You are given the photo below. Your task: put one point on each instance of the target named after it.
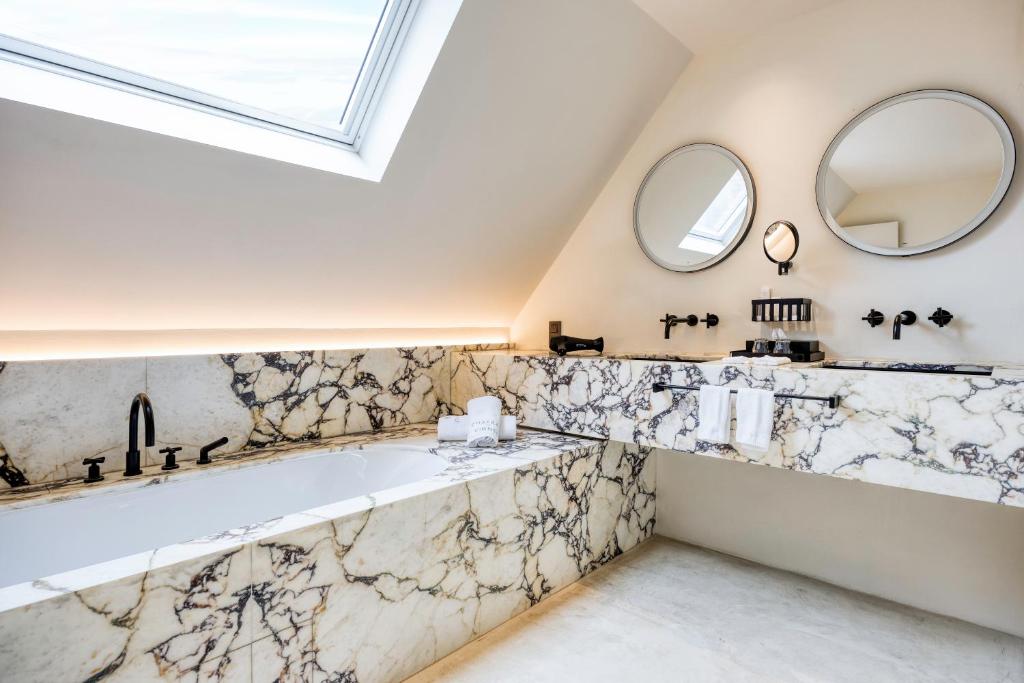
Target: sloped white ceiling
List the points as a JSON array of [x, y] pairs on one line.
[[530, 107], [703, 25]]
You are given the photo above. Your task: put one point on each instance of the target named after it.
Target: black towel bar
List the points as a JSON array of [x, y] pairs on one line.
[[832, 401]]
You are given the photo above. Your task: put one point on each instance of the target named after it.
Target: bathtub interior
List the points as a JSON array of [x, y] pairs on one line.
[[54, 537]]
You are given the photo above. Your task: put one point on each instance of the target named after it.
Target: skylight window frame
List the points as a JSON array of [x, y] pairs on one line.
[[392, 27]]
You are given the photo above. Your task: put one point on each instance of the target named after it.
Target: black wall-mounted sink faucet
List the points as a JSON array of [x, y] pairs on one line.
[[901, 320], [671, 321], [132, 458]]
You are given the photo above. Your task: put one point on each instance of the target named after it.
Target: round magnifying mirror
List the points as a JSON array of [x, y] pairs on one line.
[[694, 207], [915, 173], [781, 240]]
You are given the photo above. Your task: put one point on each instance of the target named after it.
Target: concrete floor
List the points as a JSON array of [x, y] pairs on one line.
[[673, 612]]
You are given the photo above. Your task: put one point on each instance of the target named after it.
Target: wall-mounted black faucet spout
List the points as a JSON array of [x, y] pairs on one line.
[[671, 321], [904, 318], [132, 458], [563, 344]]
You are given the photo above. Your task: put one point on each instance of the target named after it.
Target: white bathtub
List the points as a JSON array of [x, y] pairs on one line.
[[51, 538]]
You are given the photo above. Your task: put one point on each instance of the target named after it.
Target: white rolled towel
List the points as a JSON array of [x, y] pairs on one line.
[[736, 360], [484, 414], [456, 428], [772, 360]]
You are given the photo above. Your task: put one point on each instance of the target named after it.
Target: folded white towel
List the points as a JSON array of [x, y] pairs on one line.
[[713, 414], [484, 415], [736, 360], [771, 360], [755, 417], [456, 428]]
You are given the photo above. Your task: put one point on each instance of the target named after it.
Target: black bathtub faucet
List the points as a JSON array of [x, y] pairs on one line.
[[563, 345], [132, 459], [204, 452]]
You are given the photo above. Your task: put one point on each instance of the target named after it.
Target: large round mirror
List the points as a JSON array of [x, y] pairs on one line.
[[915, 172], [694, 207]]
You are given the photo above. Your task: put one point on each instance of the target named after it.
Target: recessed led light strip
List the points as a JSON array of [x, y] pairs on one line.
[[30, 345]]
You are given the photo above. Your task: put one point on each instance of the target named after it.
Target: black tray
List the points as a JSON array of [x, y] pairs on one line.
[[795, 356], [805, 346]]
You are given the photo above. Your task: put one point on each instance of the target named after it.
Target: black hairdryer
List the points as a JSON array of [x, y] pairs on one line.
[[563, 345]]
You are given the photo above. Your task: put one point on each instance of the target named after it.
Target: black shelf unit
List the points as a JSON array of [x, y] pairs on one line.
[[780, 310]]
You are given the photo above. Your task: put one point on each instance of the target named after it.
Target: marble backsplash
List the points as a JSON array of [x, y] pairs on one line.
[[55, 413], [947, 434]]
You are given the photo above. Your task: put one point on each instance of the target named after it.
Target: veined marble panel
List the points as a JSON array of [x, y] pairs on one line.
[[55, 413], [298, 395], [368, 589], [953, 435]]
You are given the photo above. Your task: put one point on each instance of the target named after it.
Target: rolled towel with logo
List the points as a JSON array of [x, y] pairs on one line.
[[484, 414], [456, 428]]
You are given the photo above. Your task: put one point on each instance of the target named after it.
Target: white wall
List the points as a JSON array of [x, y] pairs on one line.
[[925, 212], [948, 555], [777, 100], [528, 110]]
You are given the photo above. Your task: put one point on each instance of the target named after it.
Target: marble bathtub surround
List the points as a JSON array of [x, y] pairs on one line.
[[55, 413], [947, 434], [369, 589]]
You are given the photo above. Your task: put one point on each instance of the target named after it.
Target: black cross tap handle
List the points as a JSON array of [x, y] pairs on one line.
[[941, 317], [711, 320], [169, 463], [874, 318], [94, 470]]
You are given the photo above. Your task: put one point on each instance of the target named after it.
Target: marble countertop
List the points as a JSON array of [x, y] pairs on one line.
[[942, 433], [1000, 370]]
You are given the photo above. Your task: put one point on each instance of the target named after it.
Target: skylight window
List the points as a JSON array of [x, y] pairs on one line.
[[720, 222], [307, 67]]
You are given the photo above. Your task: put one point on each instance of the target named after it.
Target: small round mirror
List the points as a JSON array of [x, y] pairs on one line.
[[781, 240], [694, 207], [915, 173]]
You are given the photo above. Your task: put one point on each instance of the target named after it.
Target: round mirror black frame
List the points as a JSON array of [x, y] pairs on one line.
[[748, 218], [1009, 160], [784, 266]]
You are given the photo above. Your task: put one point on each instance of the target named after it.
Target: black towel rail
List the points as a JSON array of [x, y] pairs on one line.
[[832, 401]]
